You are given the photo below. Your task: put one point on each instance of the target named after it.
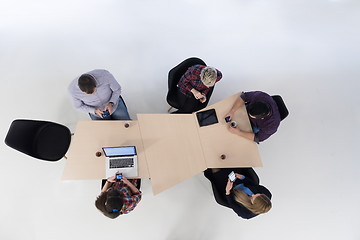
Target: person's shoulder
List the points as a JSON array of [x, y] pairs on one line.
[[265, 96], [260, 96], [197, 67], [258, 93], [275, 117], [98, 72], [102, 76], [193, 72], [73, 86], [263, 190]]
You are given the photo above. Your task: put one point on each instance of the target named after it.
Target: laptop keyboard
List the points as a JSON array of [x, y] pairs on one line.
[[121, 162]]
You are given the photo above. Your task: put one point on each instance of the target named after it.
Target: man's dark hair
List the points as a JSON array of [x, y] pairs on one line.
[[258, 109], [114, 202], [87, 83], [110, 203]]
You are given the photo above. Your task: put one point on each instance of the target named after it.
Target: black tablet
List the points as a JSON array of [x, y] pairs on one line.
[[207, 117]]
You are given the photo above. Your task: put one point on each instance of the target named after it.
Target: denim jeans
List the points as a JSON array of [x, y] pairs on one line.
[[255, 129], [121, 113]]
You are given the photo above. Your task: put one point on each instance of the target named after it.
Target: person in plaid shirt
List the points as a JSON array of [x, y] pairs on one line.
[[118, 198], [198, 80]]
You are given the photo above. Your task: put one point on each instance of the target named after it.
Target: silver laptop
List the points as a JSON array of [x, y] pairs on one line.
[[121, 159]]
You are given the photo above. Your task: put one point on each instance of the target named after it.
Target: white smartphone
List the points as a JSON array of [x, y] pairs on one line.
[[232, 176]]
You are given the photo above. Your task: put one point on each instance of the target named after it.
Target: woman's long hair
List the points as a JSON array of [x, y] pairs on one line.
[[262, 203]]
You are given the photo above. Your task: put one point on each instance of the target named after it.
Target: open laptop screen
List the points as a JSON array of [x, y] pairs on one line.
[[119, 151]]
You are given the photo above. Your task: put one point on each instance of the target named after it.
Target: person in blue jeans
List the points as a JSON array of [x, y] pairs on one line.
[[98, 93]]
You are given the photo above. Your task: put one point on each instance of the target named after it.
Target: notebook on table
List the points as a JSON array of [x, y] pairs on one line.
[[121, 159]]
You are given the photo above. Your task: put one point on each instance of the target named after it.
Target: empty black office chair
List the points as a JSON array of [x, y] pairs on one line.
[[220, 198], [40, 139], [174, 97], [281, 106]]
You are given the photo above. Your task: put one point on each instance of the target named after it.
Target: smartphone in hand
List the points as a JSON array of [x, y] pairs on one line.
[[232, 176], [105, 114], [118, 177]]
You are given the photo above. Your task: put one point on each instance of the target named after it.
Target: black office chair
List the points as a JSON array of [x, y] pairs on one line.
[[220, 198], [281, 106], [40, 139], [174, 97]]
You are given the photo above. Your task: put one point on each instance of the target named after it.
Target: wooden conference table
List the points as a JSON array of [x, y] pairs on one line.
[[171, 147]]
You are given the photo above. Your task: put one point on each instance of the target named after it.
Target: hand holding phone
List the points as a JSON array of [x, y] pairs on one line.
[[232, 176], [105, 114], [229, 116], [118, 177]]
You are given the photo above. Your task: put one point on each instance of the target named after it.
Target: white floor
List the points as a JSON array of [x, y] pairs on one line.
[[305, 50]]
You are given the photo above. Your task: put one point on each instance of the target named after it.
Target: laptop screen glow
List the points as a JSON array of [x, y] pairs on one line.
[[119, 151]]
